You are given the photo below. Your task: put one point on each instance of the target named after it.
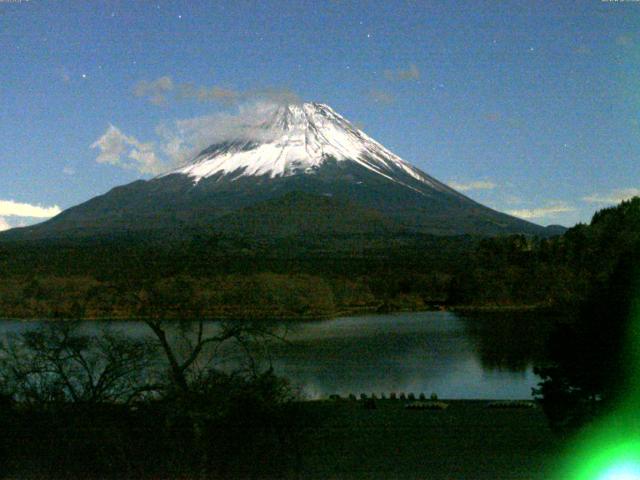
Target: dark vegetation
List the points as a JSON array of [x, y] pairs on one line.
[[231, 277], [586, 275], [201, 273], [592, 355], [109, 406], [592, 364], [510, 340]]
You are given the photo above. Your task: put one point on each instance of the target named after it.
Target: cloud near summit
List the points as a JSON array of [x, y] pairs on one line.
[[164, 89], [127, 152], [178, 141]]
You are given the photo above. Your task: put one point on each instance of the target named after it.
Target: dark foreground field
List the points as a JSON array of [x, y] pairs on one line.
[[343, 440], [466, 441]]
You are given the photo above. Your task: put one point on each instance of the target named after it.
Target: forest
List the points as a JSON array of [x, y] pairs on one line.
[[203, 274], [139, 408]]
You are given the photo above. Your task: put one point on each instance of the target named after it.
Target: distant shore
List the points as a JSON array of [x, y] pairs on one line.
[[347, 312]]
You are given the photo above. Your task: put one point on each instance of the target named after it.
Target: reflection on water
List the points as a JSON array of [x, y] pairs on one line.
[[486, 356], [510, 341], [426, 352]]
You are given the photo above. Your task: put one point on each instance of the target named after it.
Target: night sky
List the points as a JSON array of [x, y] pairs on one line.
[[529, 107]]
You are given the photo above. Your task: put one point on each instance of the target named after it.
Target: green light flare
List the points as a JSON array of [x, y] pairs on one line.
[[605, 457], [610, 448], [622, 471]]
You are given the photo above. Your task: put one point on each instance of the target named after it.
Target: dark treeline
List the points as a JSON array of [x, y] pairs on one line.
[[200, 273], [591, 368], [561, 271], [588, 278], [75, 405], [591, 365], [218, 276]]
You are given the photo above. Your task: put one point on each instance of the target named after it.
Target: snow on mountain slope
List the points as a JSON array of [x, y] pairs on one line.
[[272, 173], [298, 139]]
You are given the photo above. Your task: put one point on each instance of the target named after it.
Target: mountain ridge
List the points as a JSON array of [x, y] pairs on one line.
[[306, 148]]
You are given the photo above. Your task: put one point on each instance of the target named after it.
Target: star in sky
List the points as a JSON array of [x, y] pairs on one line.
[[463, 76]]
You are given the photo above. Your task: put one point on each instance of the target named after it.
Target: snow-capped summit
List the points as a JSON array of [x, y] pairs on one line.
[[286, 171], [298, 139]]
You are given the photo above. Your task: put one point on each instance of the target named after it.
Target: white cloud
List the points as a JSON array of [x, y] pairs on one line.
[[614, 197], [4, 225], [179, 141], [158, 92], [475, 185], [279, 96], [127, 152], [154, 91], [410, 73], [549, 211], [207, 94], [69, 170], [183, 139], [9, 208]]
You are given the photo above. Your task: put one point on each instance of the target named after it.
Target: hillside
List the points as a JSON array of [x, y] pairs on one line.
[[300, 150]]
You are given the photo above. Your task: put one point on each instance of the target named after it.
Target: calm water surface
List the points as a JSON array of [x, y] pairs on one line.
[[488, 357]]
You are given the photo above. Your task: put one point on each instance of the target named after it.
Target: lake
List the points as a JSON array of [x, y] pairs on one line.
[[483, 357]]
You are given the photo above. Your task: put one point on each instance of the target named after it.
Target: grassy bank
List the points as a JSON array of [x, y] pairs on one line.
[[467, 440], [307, 440]]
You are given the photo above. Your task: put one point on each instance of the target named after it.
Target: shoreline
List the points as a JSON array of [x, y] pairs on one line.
[[345, 313]]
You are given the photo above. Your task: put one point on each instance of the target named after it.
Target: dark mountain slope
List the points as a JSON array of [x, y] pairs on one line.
[[307, 150]]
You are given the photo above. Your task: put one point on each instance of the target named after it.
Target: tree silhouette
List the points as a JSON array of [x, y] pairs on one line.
[[588, 371]]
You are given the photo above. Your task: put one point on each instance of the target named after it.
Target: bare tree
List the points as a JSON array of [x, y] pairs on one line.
[[191, 347], [57, 362], [197, 347]]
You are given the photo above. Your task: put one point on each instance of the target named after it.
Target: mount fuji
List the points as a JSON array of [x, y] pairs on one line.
[[301, 169]]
